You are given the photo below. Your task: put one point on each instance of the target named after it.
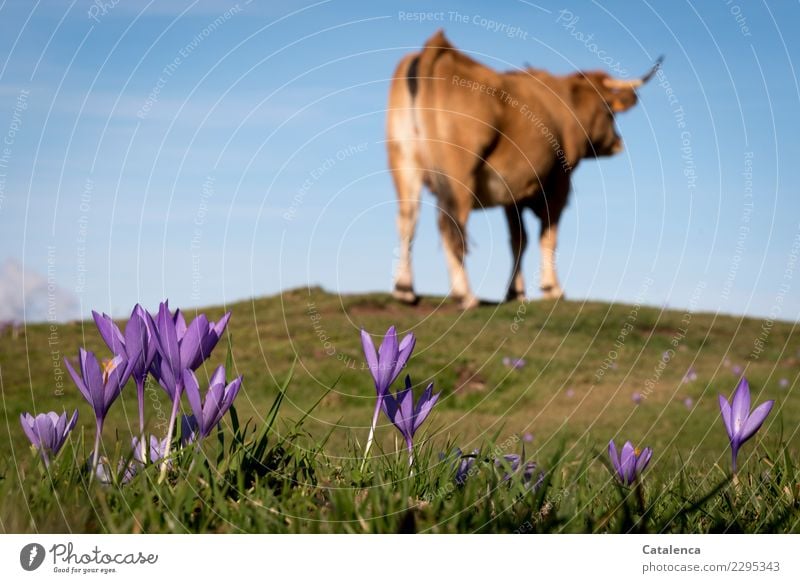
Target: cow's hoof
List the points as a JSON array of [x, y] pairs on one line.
[[405, 294], [515, 296], [469, 302], [553, 292]]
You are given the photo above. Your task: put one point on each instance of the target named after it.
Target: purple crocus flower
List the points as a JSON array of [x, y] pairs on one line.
[[190, 429], [688, 402], [629, 463], [783, 383], [180, 347], [155, 452], [515, 363], [691, 375], [136, 343], [736, 369], [462, 463], [406, 416], [740, 423], [513, 461], [637, 398], [465, 464], [126, 473], [100, 387], [47, 432], [219, 398], [385, 366]]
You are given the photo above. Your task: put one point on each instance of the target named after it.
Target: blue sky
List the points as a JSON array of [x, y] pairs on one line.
[[156, 151]]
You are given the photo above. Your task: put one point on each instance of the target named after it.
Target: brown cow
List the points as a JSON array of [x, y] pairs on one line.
[[478, 138]]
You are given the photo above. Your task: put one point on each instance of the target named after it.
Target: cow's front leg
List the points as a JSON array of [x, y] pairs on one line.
[[519, 241], [549, 210], [549, 285], [452, 226]]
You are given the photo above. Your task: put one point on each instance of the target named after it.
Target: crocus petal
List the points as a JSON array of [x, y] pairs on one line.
[[755, 420], [215, 331], [403, 354], [218, 378], [212, 412], [180, 324], [109, 332], [136, 342], [230, 393], [59, 423], [43, 427], [387, 358], [119, 375], [221, 324], [162, 371], [627, 461], [27, 422], [424, 406], [643, 459], [192, 389], [91, 372], [614, 456], [72, 422], [406, 410], [513, 460], [78, 380], [725, 409], [189, 429], [157, 448], [191, 342], [740, 407], [168, 340], [389, 406], [93, 378], [370, 354], [151, 345]]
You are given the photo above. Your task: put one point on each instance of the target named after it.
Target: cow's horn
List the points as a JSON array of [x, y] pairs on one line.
[[634, 83]]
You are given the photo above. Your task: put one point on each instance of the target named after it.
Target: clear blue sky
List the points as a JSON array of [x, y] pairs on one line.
[[155, 153]]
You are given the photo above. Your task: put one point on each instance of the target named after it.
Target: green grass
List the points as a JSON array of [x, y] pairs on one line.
[[280, 476]]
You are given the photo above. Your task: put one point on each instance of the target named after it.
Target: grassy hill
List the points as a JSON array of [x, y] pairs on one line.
[[585, 363]]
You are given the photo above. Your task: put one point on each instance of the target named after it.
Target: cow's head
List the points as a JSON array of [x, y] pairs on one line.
[[597, 98]]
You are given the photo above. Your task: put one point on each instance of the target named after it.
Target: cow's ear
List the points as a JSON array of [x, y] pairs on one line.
[[621, 99]]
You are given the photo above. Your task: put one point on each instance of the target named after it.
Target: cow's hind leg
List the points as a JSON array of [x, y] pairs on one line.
[[455, 203], [519, 241], [408, 184]]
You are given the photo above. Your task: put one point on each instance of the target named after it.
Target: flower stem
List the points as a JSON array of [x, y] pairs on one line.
[[45, 457], [371, 432], [140, 396], [175, 403], [96, 452], [640, 496]]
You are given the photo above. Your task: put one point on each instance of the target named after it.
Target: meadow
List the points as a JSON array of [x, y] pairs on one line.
[[550, 382]]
